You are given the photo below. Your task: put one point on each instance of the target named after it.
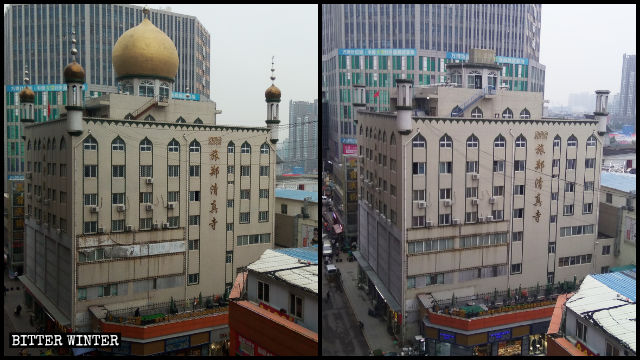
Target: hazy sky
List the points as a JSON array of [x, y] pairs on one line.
[[243, 40], [582, 48]]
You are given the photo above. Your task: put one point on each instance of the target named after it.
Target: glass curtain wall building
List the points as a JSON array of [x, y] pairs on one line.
[[303, 131]]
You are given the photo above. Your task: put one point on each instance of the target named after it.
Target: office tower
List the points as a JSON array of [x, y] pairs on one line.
[[303, 135], [627, 98]]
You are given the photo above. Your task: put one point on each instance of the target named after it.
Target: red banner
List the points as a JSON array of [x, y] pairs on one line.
[[276, 311]]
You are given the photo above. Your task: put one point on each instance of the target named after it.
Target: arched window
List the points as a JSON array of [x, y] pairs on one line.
[[592, 141], [29, 145], [126, 87], [197, 121], [360, 129], [231, 147], [445, 141], [521, 141], [164, 89], [507, 114], [379, 137], [48, 144], [499, 141], [38, 145], [384, 136], [556, 141], [245, 148], [472, 141], [117, 144], [181, 120], [525, 114], [63, 144], [149, 118], [572, 141], [476, 113], [474, 80], [264, 149], [456, 78], [492, 78], [194, 146], [90, 143], [146, 88], [393, 139], [457, 112], [174, 146], [53, 144], [419, 141], [145, 145]]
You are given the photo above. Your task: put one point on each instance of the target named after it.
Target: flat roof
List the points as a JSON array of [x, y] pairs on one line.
[[294, 271], [608, 302], [619, 181], [297, 194], [303, 253]]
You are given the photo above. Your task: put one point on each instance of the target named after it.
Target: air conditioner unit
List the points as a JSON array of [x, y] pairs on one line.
[[156, 226], [492, 200], [455, 221], [100, 230], [58, 231], [446, 202], [129, 227], [28, 175], [422, 204], [475, 176], [171, 205], [481, 219], [630, 208], [94, 209], [149, 181], [474, 201], [47, 202], [38, 221], [489, 218], [429, 223], [121, 208], [148, 207], [165, 225]]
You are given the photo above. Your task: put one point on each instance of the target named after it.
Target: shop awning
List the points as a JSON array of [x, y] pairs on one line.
[[44, 301], [337, 228], [377, 282]]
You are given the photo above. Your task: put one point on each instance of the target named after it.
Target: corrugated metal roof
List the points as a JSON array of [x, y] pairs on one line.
[[607, 309], [620, 282], [303, 253], [297, 194], [619, 181], [288, 268]]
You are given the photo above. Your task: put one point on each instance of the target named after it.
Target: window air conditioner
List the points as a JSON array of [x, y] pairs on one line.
[[148, 207], [94, 209], [165, 225], [121, 208], [481, 219], [171, 205], [492, 200], [446, 202], [100, 230], [156, 226], [149, 181], [28, 175], [455, 221], [489, 218], [429, 223], [46, 202], [422, 204], [475, 176], [474, 201], [129, 227]]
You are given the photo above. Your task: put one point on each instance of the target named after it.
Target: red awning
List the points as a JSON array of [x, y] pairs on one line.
[[337, 228]]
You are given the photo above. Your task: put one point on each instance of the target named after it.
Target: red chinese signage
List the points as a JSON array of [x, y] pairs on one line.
[[249, 348], [584, 349], [349, 149], [276, 311]]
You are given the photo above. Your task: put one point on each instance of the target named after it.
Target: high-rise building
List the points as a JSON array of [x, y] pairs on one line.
[[376, 44], [36, 37], [627, 99], [303, 135], [469, 191], [141, 209]]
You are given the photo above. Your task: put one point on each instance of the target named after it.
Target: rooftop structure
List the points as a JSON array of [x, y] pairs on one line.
[[619, 181], [297, 194]]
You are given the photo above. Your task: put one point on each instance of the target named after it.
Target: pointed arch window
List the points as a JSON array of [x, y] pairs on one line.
[[384, 136], [476, 113], [521, 141], [472, 141], [29, 145], [393, 139], [90, 143], [499, 141], [145, 145], [194, 147], [48, 144], [457, 112], [360, 129], [149, 118], [572, 141], [53, 144], [197, 121], [181, 120], [63, 144], [164, 90], [129, 116], [592, 141], [231, 147], [174, 146], [264, 149], [446, 142], [379, 137], [146, 88], [556, 141], [38, 145], [525, 114], [419, 141], [245, 148], [507, 114], [117, 144]]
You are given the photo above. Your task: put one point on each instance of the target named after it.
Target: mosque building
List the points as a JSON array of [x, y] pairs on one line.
[[139, 209]]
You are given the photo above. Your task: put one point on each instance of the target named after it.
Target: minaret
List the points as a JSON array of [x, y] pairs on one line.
[[74, 77], [272, 97], [359, 101], [404, 107], [602, 97], [27, 97]]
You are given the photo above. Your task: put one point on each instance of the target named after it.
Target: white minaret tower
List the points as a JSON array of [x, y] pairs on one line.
[[602, 97], [359, 101], [74, 76], [272, 97], [404, 107], [27, 97]]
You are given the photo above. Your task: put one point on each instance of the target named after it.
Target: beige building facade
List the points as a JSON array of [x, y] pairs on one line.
[[296, 218], [469, 190]]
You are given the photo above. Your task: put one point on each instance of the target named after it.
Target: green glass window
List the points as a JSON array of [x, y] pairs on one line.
[[355, 62], [410, 60], [382, 62], [420, 63]]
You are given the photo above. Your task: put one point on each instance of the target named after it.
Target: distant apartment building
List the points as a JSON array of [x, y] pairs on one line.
[[617, 219], [466, 188], [296, 218], [303, 136], [627, 99]]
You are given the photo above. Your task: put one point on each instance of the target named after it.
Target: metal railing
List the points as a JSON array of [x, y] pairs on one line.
[[149, 103]]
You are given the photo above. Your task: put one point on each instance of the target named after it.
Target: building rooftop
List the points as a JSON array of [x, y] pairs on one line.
[[288, 268], [608, 302], [619, 181], [303, 253], [297, 194]]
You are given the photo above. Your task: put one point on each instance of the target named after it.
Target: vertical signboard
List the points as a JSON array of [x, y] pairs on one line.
[[351, 204]]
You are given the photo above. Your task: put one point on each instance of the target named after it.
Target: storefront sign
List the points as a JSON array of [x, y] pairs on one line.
[[447, 336], [584, 349], [349, 149], [178, 343], [540, 328], [381, 52], [248, 347], [499, 335], [39, 87], [351, 141]]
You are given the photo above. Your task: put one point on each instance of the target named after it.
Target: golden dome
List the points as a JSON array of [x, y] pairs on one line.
[[272, 93], [145, 51], [27, 95], [73, 73]]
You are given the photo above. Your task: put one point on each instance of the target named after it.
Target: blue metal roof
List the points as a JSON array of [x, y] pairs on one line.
[[619, 181], [297, 194], [624, 282], [304, 253]]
